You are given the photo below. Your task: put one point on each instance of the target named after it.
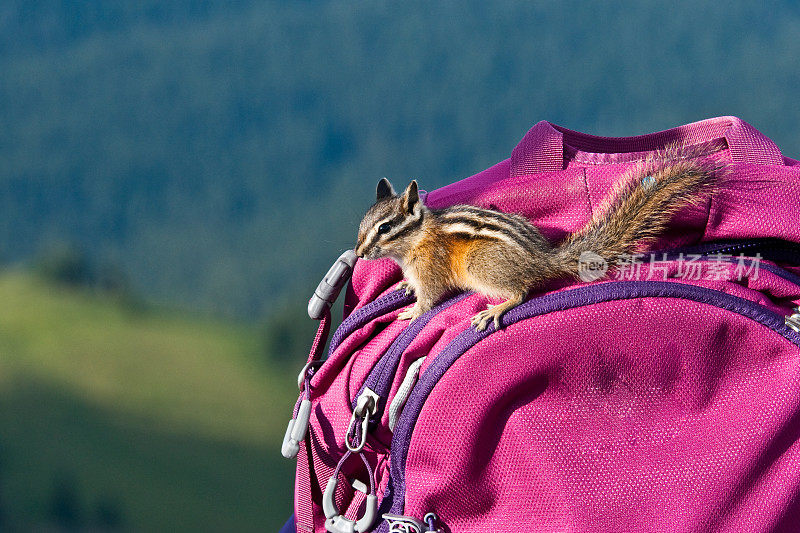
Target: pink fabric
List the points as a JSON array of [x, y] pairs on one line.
[[650, 414], [629, 428]]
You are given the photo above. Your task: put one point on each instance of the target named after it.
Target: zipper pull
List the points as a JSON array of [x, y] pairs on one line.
[[298, 426], [296, 430], [366, 406], [793, 320], [289, 449], [335, 522]]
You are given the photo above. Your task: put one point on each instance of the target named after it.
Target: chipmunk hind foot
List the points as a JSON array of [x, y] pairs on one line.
[[494, 313]]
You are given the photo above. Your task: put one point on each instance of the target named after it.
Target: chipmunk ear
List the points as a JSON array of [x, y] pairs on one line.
[[385, 189], [410, 197]]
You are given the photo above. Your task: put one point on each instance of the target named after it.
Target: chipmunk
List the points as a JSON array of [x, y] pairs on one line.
[[503, 255]]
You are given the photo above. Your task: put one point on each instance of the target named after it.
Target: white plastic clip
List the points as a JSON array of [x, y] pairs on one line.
[[296, 430], [328, 289], [289, 449]]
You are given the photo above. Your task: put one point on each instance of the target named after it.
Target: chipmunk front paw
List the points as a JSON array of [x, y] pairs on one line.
[[492, 313], [411, 313], [407, 286]]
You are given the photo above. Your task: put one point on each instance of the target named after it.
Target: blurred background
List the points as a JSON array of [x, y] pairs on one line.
[[175, 177]]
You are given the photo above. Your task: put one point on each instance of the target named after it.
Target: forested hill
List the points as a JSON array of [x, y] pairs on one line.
[[220, 153]]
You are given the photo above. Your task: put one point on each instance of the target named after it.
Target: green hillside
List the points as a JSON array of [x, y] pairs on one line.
[[117, 417]]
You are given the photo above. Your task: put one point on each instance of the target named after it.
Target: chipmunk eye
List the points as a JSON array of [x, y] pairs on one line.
[[384, 228]]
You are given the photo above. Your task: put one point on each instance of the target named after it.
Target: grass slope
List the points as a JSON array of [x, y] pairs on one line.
[[150, 420]]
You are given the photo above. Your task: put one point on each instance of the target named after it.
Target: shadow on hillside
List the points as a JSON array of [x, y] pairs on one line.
[[70, 465]]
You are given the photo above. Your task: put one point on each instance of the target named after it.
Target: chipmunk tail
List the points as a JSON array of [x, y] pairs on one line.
[[640, 209]]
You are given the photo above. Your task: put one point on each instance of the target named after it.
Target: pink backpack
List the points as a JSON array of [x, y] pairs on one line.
[[665, 397]]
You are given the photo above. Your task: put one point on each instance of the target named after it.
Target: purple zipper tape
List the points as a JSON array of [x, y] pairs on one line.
[[374, 309], [382, 374]]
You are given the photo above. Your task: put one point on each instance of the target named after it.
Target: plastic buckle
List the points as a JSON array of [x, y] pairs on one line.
[[337, 523], [328, 289], [366, 406], [793, 320]]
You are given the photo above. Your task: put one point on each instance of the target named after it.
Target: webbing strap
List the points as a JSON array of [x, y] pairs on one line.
[[303, 506], [748, 145], [303, 500], [542, 148], [315, 354]]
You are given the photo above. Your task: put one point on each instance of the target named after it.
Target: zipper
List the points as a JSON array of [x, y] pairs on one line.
[[773, 249], [568, 299], [784, 248], [382, 374], [773, 269], [357, 319], [366, 405]]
